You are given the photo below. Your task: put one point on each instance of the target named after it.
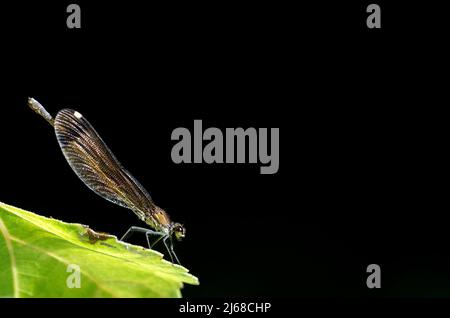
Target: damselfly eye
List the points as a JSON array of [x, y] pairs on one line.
[[179, 231]]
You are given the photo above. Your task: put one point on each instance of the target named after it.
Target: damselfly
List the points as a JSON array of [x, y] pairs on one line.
[[99, 169]]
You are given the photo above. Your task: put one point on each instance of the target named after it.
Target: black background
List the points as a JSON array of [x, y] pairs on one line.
[[362, 177]]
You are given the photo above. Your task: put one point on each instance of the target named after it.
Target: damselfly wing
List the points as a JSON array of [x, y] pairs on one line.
[[97, 167]]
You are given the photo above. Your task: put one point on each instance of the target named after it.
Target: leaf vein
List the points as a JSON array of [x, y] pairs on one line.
[[9, 246]]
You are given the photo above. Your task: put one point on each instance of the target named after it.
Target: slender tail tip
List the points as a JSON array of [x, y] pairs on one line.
[[31, 101]]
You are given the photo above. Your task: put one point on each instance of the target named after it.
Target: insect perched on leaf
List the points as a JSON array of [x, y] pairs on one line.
[[99, 169]]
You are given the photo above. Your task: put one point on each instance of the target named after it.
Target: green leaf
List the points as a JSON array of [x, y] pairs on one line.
[[39, 257]]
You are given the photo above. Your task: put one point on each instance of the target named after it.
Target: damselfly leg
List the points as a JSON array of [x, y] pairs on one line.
[[170, 249], [147, 233]]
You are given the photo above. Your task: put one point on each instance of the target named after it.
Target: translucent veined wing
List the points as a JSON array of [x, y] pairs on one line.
[[96, 165]]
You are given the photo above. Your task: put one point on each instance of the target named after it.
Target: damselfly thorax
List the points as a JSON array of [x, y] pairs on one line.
[[99, 169]]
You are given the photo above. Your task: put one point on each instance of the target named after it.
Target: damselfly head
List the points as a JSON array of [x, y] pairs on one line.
[[178, 230]]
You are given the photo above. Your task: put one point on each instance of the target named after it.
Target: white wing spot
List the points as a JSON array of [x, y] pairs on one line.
[[77, 115]]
